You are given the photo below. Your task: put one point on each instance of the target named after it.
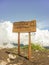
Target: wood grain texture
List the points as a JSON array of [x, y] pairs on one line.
[[24, 26]]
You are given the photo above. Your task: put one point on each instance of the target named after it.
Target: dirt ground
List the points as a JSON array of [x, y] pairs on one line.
[[38, 57]]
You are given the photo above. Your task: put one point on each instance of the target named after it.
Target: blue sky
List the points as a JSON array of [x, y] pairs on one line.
[[18, 10]]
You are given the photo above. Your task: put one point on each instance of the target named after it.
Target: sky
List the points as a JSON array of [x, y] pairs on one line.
[[22, 10], [18, 10]]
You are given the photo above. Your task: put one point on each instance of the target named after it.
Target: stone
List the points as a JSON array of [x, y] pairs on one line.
[[11, 56], [8, 59], [3, 63]]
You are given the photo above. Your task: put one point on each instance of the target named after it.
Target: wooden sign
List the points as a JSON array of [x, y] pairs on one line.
[[27, 26], [24, 26]]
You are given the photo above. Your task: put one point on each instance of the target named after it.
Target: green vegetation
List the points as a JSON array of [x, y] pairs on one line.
[[25, 47], [34, 47], [37, 47]]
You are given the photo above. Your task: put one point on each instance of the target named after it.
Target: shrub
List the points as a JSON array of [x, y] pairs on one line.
[[34, 47]]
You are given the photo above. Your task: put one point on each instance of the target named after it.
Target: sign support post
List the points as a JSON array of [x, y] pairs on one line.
[[18, 43], [29, 47]]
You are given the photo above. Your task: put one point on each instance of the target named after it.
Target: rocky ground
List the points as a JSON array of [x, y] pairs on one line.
[[11, 57]]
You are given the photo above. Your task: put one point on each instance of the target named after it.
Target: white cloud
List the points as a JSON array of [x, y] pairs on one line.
[[7, 36], [43, 24], [42, 37]]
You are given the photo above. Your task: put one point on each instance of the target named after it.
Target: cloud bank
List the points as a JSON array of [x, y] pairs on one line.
[[7, 37]]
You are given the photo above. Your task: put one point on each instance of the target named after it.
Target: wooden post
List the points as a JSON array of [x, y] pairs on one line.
[[29, 47], [18, 43]]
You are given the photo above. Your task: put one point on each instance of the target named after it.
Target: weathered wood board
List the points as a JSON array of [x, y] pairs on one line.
[[24, 26]]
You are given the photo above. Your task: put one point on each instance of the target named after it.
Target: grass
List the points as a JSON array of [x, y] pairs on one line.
[[37, 47], [34, 47]]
